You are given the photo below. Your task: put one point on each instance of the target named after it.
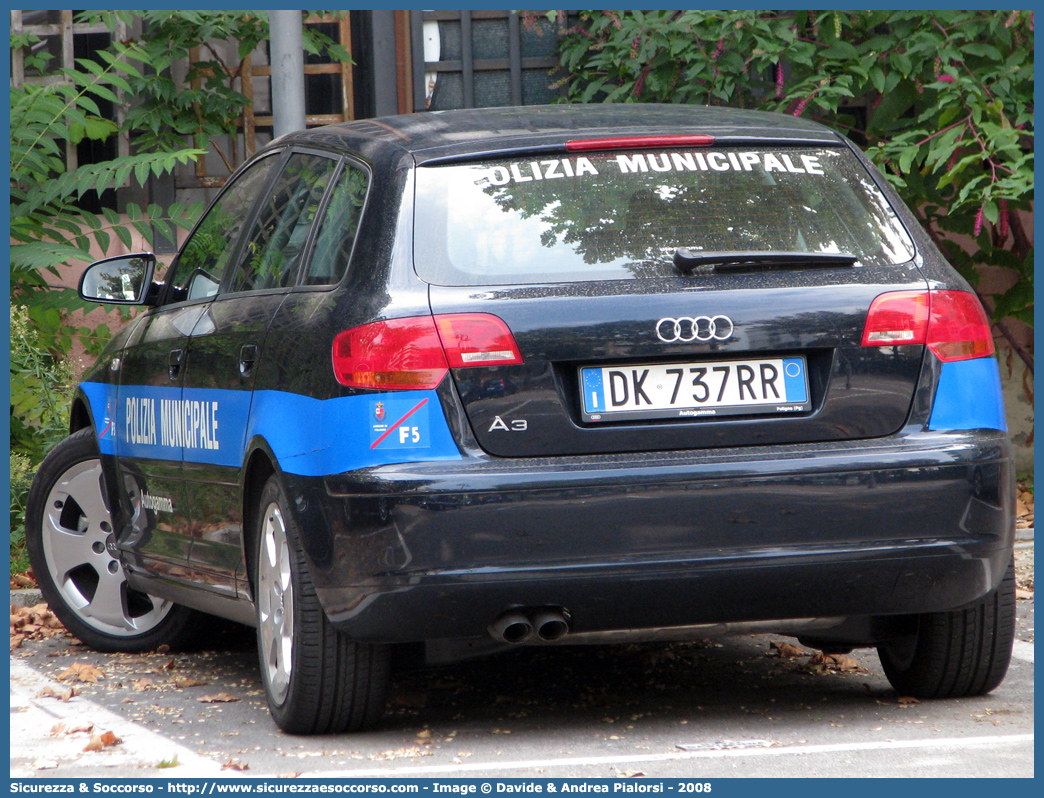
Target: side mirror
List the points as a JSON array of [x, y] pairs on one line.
[[123, 280]]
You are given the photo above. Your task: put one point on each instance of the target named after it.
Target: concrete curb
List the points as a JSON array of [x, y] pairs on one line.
[[36, 752], [26, 597]]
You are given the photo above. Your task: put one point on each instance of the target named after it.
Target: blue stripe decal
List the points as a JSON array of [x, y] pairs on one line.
[[309, 437], [313, 437], [969, 396], [594, 395], [794, 379], [102, 398]]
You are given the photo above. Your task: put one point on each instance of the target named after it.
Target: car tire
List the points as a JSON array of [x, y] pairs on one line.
[[954, 654], [69, 537], [317, 681]]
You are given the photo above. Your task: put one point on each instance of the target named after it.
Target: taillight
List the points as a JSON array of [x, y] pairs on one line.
[[958, 329], [393, 355], [900, 317], [638, 143], [951, 323], [477, 339], [415, 353]]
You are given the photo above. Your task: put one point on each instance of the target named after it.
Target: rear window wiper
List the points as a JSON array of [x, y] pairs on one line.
[[687, 261]]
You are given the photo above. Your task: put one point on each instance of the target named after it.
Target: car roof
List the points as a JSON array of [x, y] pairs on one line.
[[477, 132]]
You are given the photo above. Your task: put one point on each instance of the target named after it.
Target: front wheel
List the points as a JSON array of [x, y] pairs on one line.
[[317, 681], [956, 654], [71, 542]]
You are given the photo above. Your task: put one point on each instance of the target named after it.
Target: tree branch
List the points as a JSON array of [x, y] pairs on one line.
[[1022, 243], [1020, 350]]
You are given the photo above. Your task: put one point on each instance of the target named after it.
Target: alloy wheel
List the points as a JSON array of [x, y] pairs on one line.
[[275, 603], [83, 560]]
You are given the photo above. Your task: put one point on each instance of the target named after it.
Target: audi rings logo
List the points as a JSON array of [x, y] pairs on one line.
[[701, 328]]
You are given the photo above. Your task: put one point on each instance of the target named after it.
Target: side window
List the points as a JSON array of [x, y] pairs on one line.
[[204, 258], [333, 245], [272, 254]]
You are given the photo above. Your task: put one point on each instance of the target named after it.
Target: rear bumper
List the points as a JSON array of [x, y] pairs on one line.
[[424, 551]]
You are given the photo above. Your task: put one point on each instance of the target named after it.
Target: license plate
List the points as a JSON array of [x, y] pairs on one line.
[[695, 390]]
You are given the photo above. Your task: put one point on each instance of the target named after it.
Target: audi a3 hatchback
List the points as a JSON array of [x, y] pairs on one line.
[[567, 374]]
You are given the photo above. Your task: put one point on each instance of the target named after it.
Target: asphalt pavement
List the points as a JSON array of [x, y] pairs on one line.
[[721, 707]]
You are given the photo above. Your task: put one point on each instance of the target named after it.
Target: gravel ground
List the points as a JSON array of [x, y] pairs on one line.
[[1024, 569]]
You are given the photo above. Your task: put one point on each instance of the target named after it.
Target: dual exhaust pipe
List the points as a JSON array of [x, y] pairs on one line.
[[518, 625]]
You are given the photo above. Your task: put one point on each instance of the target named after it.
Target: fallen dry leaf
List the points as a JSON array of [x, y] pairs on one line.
[[1020, 594], [631, 774], [60, 728], [844, 662], [39, 614], [61, 695], [906, 700], [186, 681], [142, 684], [103, 740], [217, 698], [786, 650], [235, 764], [163, 649], [33, 623], [833, 662], [22, 580], [400, 753], [81, 672]]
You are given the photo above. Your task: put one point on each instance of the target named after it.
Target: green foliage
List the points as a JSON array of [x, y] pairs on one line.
[[203, 102], [47, 227], [947, 97], [49, 230], [40, 386], [21, 479]]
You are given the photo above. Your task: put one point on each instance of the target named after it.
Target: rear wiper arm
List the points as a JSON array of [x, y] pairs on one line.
[[687, 261]]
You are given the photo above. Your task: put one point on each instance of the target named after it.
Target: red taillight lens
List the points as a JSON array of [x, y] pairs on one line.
[[477, 339], [638, 143], [900, 317], [393, 355], [951, 323], [958, 329], [415, 354]]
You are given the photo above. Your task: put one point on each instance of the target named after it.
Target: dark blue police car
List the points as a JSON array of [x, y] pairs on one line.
[[515, 376]]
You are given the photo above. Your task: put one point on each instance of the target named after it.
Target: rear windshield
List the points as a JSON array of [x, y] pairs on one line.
[[621, 215]]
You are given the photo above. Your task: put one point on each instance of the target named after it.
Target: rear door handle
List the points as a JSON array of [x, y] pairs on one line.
[[247, 359], [174, 363]]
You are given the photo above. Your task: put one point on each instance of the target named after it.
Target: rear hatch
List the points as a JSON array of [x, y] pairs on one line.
[[670, 295]]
